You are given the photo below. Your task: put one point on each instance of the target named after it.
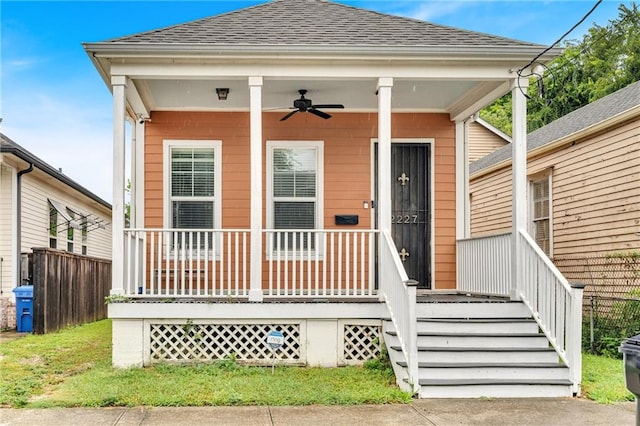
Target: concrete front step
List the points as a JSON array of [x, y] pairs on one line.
[[524, 371], [478, 325], [470, 388]]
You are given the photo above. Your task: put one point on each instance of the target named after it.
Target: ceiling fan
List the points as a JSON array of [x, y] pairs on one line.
[[306, 105]]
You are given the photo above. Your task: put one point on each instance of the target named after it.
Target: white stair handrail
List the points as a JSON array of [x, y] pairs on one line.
[[555, 304], [399, 294]]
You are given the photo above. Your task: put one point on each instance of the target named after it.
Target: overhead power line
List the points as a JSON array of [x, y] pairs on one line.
[[561, 37]]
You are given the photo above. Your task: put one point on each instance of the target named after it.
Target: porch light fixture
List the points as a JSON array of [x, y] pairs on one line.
[[222, 93]]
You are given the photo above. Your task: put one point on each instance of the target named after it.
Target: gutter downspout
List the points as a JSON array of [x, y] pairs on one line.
[[19, 217]]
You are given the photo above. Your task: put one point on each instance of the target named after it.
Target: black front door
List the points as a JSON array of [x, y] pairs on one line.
[[411, 208]]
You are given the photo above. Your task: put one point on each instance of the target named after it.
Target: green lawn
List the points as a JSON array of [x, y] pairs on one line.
[[603, 379], [73, 368]]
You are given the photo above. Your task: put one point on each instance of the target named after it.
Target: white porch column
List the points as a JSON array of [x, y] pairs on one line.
[[119, 84], [519, 178], [137, 175], [463, 214], [384, 153], [255, 95]]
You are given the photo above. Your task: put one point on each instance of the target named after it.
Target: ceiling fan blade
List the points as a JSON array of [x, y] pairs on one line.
[[324, 106], [289, 115], [314, 111]]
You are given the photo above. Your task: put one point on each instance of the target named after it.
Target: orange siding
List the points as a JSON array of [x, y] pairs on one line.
[[347, 165]]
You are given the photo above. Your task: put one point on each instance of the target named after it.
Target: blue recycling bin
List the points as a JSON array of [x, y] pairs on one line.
[[24, 308]]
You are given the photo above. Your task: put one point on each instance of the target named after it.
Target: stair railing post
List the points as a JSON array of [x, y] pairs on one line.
[[412, 336], [575, 336]]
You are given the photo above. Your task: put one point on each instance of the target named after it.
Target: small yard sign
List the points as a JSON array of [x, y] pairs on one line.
[[275, 339]]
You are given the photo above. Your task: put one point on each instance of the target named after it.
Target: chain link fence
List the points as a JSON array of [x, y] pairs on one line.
[[611, 304]]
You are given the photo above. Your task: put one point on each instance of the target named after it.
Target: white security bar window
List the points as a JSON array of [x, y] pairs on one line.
[[541, 209], [194, 189], [295, 191]]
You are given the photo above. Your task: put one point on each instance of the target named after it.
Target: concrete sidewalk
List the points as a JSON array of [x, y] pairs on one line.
[[420, 412]]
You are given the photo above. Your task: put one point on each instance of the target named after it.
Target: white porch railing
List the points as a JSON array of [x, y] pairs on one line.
[[186, 262], [399, 293], [320, 263], [555, 304], [215, 263], [484, 265]]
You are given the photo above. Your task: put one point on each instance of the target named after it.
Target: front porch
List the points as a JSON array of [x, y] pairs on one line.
[[334, 309]]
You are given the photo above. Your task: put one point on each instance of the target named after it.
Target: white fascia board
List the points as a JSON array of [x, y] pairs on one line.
[[485, 53], [247, 311], [489, 72], [573, 137], [493, 129]]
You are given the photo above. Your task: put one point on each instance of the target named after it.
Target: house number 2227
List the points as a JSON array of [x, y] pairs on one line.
[[402, 219]]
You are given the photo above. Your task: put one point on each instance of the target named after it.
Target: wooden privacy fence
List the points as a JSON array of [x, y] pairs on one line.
[[68, 289]]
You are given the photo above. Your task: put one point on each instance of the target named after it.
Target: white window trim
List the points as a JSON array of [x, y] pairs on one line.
[[535, 178], [168, 144], [319, 198]]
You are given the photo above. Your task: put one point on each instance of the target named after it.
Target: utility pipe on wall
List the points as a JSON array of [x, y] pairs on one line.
[[19, 219]]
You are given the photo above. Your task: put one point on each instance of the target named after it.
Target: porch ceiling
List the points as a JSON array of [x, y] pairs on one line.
[[355, 95]]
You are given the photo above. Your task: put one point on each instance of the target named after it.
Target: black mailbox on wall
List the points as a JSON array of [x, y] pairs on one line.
[[346, 219]]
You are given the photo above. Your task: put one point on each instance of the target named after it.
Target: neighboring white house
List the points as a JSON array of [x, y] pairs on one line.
[[257, 210], [584, 181], [41, 207], [484, 139]]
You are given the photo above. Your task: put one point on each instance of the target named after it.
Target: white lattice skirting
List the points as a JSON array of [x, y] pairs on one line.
[[354, 342], [210, 342], [361, 342]]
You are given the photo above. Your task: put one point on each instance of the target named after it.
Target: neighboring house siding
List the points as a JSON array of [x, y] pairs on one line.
[[347, 166], [491, 207], [6, 230], [596, 196], [35, 217], [482, 141]]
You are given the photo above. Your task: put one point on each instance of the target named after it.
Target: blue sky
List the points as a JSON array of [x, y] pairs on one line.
[[53, 102]]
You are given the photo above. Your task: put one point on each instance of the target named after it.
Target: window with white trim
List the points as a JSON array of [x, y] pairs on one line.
[[294, 190], [70, 235], [541, 227], [84, 232], [193, 188], [53, 227]]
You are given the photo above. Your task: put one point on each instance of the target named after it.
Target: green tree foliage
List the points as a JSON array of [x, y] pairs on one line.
[[604, 61]]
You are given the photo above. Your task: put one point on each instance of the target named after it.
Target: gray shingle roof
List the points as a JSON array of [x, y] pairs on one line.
[[314, 23], [582, 118], [8, 146]]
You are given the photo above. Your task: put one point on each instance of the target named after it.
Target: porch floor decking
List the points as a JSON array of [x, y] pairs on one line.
[[457, 297]]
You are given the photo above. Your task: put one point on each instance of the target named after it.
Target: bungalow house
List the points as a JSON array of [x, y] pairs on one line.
[[300, 175], [584, 199], [42, 207]]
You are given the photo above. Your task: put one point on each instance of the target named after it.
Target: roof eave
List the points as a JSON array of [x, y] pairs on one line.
[[479, 52], [629, 114], [46, 168]]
